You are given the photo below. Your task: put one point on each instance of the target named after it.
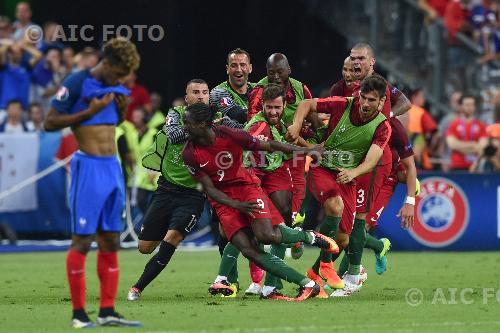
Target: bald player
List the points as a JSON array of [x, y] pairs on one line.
[[348, 84]]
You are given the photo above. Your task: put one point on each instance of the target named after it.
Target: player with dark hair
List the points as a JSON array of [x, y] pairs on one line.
[[278, 72], [349, 84], [93, 102], [177, 204], [356, 136], [275, 181], [369, 184], [214, 157], [230, 101]]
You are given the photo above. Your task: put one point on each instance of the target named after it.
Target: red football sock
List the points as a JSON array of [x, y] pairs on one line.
[[108, 272], [256, 273], [75, 269]]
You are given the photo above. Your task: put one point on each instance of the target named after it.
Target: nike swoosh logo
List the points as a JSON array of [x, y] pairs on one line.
[[230, 256], [202, 165], [77, 271], [373, 220], [111, 270]]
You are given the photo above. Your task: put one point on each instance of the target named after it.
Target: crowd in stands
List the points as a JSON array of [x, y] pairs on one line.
[[467, 139]]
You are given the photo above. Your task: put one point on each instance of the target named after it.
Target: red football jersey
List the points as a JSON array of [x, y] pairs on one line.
[[223, 160]]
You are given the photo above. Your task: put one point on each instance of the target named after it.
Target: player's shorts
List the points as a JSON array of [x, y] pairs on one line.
[[368, 186], [382, 200], [172, 208], [297, 170], [322, 183], [278, 180], [232, 220], [97, 194]]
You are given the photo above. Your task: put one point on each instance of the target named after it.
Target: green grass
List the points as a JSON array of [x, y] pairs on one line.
[[34, 296]]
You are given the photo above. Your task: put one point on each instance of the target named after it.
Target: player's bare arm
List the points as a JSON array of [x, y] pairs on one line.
[[372, 157], [56, 121], [401, 106], [407, 212], [272, 146], [304, 108]]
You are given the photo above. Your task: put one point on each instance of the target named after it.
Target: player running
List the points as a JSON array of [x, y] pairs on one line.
[[93, 102], [356, 136], [177, 204], [214, 157], [230, 100]]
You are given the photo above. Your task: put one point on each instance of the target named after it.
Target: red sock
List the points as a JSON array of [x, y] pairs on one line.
[[75, 269], [256, 273], [108, 272]]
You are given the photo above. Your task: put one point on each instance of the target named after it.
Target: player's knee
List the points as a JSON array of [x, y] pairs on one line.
[[342, 240], [174, 237], [146, 247], [334, 206], [82, 245], [265, 237]]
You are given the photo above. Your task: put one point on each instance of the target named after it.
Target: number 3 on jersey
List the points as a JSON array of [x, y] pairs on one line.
[[361, 196]]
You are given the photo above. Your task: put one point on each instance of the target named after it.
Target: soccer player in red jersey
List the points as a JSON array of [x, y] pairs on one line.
[[349, 84], [214, 156], [278, 72], [402, 168], [356, 136], [368, 185]]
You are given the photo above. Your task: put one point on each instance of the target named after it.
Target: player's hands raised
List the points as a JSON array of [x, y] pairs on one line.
[[345, 176], [406, 213], [97, 104], [246, 206]]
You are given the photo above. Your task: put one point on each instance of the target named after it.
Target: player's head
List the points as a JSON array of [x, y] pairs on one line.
[[468, 105], [371, 96], [238, 67], [273, 103], [348, 72], [119, 59], [278, 69], [363, 60], [197, 92], [198, 121]]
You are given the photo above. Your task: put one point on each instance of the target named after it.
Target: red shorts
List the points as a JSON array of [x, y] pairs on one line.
[[382, 200], [322, 183], [297, 168], [368, 186], [277, 180], [233, 220]]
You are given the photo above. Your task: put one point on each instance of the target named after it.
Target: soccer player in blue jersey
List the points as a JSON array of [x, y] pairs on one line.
[[93, 102]]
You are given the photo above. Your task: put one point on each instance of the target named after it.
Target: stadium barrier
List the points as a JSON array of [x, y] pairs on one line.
[[454, 212]]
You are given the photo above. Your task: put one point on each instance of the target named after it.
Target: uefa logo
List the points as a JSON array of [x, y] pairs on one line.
[[442, 213]]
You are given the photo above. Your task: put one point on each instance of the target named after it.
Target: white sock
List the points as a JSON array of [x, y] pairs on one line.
[[310, 284], [266, 290], [220, 278]]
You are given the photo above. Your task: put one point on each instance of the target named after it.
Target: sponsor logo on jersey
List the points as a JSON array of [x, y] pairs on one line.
[[442, 213]]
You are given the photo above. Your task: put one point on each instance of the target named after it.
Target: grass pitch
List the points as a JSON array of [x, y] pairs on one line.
[[449, 292]]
